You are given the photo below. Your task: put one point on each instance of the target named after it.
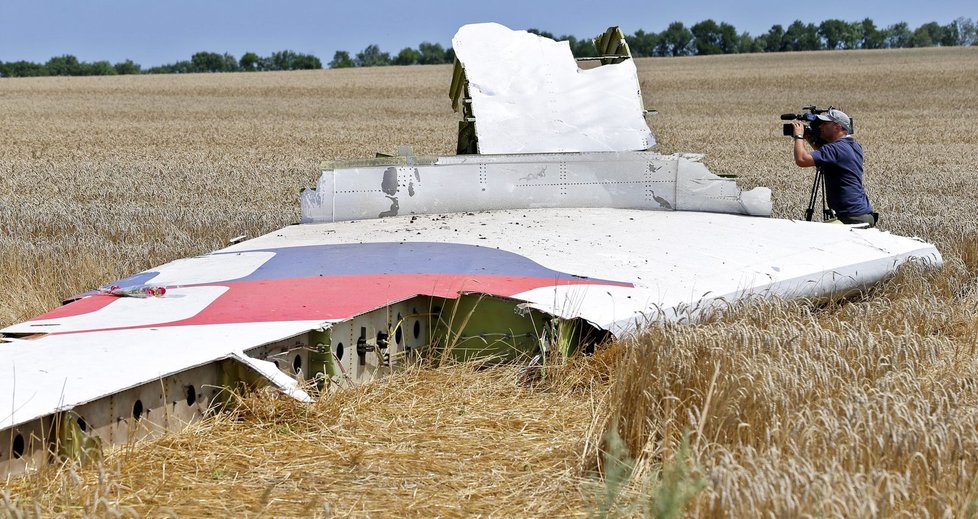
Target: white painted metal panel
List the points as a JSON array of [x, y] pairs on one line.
[[128, 312], [208, 269], [464, 183], [636, 265], [529, 96], [45, 375], [676, 260]]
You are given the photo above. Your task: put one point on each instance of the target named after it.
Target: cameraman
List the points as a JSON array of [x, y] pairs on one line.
[[840, 158]]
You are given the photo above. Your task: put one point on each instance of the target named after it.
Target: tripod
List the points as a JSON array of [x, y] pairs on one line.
[[818, 186]]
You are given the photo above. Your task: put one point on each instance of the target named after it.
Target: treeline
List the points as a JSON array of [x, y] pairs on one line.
[[66, 66], [704, 38], [200, 62], [249, 62], [708, 37], [426, 54]]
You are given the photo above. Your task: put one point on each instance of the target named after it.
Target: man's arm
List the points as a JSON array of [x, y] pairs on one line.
[[802, 157]]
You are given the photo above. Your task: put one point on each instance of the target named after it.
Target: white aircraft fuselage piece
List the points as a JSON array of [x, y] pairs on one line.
[[622, 180]]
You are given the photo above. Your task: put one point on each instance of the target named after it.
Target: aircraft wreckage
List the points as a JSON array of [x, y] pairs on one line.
[[552, 225]]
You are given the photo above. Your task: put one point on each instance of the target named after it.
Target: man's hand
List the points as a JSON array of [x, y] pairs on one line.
[[801, 155], [799, 129]]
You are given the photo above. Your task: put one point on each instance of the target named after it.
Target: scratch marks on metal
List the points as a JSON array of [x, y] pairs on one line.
[[533, 176]]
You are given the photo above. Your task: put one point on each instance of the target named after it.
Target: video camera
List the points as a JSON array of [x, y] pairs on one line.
[[811, 134]]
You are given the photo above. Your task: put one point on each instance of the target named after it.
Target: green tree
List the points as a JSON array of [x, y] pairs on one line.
[[249, 61], [898, 36], [949, 35], [801, 36], [291, 60], [707, 38], [729, 39], [371, 56], [407, 56], [66, 65], [127, 67], [927, 35], [774, 40], [281, 60], [306, 62], [341, 59], [836, 34], [23, 69], [213, 62], [431, 53], [180, 67], [98, 68], [584, 48], [641, 43], [870, 36], [676, 40], [967, 31], [747, 43]]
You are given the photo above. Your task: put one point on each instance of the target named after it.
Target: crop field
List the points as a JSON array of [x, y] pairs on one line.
[[860, 408]]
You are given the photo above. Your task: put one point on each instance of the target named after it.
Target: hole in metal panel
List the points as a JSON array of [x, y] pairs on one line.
[[339, 350], [26, 336], [82, 424], [297, 364], [417, 329], [191, 394], [18, 446], [137, 410]]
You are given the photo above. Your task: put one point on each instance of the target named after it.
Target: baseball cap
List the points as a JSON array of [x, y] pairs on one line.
[[837, 116]]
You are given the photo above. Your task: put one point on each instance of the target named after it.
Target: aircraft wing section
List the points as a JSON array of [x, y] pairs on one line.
[[634, 265], [613, 268]]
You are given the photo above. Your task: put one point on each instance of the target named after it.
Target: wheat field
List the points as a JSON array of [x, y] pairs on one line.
[[861, 408]]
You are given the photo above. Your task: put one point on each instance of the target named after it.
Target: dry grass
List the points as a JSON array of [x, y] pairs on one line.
[[406, 447], [862, 408]]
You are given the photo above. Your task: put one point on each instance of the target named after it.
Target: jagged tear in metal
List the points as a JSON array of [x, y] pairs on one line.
[[397, 258]]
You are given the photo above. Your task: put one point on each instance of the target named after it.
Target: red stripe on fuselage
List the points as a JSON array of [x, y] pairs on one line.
[[85, 305], [340, 297]]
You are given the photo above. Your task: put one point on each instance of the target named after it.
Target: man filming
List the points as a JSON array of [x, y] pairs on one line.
[[840, 160]]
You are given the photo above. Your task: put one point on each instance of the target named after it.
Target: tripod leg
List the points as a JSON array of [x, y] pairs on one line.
[[810, 212], [827, 213]]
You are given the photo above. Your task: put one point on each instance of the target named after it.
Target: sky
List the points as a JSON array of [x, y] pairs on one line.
[[155, 33]]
